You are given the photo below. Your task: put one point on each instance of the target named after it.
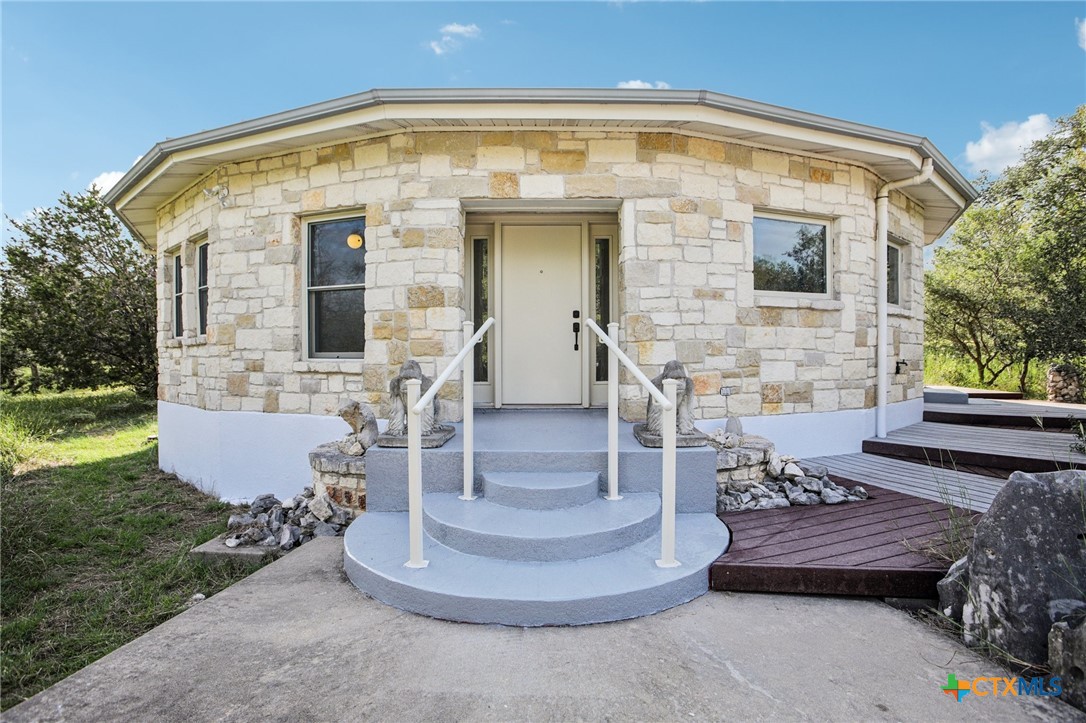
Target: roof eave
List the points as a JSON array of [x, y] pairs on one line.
[[160, 152]]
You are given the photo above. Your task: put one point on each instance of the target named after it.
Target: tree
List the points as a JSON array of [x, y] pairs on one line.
[[1011, 284], [1046, 195], [973, 293], [77, 299]]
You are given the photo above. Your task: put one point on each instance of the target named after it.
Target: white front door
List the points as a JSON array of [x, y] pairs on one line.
[[541, 358]]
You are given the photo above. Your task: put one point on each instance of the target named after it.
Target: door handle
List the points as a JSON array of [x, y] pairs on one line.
[[576, 335]]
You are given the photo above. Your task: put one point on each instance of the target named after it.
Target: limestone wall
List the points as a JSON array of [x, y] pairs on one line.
[[686, 261]]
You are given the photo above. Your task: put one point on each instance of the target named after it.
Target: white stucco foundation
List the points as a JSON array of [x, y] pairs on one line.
[[817, 434], [239, 455]]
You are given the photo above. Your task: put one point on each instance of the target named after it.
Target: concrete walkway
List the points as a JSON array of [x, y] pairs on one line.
[[295, 641]]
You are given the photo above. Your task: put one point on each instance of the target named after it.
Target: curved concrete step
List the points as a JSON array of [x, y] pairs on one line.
[[481, 527], [541, 490], [468, 588]]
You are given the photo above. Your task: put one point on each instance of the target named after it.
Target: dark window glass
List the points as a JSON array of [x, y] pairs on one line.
[[337, 287], [481, 305], [338, 319], [201, 286], [178, 304], [602, 250], [893, 275], [332, 261], [789, 256]]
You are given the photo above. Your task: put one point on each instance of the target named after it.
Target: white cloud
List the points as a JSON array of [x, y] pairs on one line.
[[452, 37], [1080, 25], [106, 181], [1001, 147], [658, 85], [468, 31]]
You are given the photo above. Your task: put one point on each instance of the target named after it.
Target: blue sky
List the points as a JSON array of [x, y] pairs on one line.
[[88, 87]]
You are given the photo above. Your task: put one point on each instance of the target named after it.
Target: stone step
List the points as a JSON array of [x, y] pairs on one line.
[[618, 585], [541, 490], [482, 528]]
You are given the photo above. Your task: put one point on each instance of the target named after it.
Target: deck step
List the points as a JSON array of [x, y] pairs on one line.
[[1003, 414], [618, 585], [541, 490], [949, 486], [480, 527], [1009, 449]]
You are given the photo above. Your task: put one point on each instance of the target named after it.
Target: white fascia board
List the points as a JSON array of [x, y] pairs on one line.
[[662, 107], [509, 111]]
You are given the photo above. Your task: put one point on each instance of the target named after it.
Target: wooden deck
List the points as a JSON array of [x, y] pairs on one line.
[[858, 548], [962, 489], [1012, 449], [1004, 414]]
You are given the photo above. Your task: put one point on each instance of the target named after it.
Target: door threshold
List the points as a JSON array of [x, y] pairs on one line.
[[538, 407]]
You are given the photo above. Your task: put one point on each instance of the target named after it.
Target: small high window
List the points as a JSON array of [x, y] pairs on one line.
[[337, 287], [178, 298], [201, 287], [790, 255], [893, 274]]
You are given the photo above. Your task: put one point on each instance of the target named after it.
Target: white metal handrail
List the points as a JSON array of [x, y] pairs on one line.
[[666, 400], [414, 438], [638, 374]]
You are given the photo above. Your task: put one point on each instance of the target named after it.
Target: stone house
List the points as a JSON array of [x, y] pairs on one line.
[[305, 255]]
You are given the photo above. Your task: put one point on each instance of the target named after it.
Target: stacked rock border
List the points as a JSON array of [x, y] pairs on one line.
[[752, 476]]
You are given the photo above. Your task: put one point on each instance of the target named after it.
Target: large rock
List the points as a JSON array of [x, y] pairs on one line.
[[1028, 550]]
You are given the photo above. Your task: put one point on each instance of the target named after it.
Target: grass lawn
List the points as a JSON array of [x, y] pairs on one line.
[[946, 369], [93, 537]]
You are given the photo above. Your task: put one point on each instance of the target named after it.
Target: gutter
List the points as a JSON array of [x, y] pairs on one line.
[[882, 222]]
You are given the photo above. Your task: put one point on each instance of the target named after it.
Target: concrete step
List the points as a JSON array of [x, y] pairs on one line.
[[442, 469], [480, 527], [541, 490], [618, 585]]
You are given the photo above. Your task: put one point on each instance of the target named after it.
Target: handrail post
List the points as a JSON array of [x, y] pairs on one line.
[[612, 416], [667, 494], [469, 419], [414, 476]]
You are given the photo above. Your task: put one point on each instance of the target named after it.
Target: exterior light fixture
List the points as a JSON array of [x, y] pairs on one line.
[[354, 241]]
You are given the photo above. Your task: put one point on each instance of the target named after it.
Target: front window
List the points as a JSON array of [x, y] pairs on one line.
[[337, 287], [790, 255], [178, 298], [201, 287]]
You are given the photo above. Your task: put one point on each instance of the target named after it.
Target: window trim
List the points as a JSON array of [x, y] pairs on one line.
[[177, 294], [308, 310], [826, 221], [900, 247], [203, 286]]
